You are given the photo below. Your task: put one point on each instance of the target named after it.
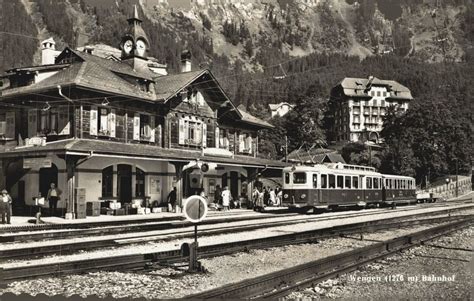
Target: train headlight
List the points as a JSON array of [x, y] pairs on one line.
[[303, 196], [285, 196]]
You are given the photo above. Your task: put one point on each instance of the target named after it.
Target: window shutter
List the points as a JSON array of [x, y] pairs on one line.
[[111, 122], [158, 134], [32, 123], [204, 135], [197, 133], [181, 131], [241, 142], [93, 121], [10, 125], [249, 144], [152, 126], [64, 125], [217, 137], [136, 126]]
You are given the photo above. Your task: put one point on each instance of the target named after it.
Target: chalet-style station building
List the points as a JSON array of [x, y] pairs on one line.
[[358, 105], [122, 128]]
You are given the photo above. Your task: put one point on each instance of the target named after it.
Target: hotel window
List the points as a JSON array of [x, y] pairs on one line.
[[384, 93], [107, 181], [378, 93]]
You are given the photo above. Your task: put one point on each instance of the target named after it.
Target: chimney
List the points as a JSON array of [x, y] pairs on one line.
[[185, 61], [48, 52]]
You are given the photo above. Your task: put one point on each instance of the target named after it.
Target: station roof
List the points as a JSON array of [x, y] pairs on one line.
[[89, 147]]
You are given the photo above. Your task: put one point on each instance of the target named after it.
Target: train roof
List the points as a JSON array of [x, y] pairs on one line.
[[341, 168]]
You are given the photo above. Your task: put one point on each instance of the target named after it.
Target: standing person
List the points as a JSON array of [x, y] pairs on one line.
[[53, 197], [171, 199], [226, 198], [279, 196], [5, 204], [272, 194], [217, 194], [266, 195], [260, 203]]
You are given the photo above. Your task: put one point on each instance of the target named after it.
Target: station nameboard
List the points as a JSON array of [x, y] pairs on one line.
[[37, 163]]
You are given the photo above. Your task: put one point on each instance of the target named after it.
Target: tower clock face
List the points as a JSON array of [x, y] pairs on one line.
[[127, 46], [141, 47]]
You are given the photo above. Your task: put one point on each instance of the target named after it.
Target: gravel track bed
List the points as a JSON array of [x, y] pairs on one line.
[[407, 275], [176, 283], [157, 246]]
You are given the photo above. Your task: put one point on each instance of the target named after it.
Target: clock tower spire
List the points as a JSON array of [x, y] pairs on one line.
[[134, 43]]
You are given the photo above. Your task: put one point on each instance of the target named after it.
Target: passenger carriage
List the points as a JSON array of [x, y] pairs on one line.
[[337, 184]]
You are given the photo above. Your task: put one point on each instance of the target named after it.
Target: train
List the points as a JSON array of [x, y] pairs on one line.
[[332, 185]]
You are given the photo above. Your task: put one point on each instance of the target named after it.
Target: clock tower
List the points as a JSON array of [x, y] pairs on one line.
[[134, 44]]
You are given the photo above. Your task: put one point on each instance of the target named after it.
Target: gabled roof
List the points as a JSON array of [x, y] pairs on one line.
[[115, 66], [249, 118], [86, 74], [315, 155], [358, 87], [169, 85]]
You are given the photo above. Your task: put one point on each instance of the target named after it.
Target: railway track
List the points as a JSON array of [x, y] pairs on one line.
[[19, 251], [281, 283], [143, 261], [67, 232]]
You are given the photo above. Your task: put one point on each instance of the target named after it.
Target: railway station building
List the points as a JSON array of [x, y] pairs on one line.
[[357, 107], [123, 129]]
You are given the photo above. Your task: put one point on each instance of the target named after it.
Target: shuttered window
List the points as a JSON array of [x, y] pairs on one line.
[[93, 121]]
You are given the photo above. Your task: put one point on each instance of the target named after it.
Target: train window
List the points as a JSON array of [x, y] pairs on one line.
[[332, 181], [376, 183], [324, 181], [347, 182], [355, 182], [315, 180], [368, 183], [287, 178], [340, 181], [299, 178]]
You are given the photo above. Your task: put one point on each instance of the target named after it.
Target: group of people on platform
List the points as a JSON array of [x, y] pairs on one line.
[[6, 201], [261, 197], [266, 196]]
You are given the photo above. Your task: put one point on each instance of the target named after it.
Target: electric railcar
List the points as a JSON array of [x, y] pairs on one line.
[[337, 184]]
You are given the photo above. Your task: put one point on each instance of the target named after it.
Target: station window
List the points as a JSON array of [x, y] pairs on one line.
[[332, 181], [324, 181], [376, 183], [299, 178], [287, 178], [340, 181], [347, 181], [368, 183], [355, 182], [315, 180]]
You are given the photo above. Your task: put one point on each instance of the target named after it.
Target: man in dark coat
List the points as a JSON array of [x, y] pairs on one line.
[[172, 196]]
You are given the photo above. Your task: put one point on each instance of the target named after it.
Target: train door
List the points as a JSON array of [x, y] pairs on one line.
[[384, 190]]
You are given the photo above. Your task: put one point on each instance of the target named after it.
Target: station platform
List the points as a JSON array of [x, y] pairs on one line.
[[17, 221]]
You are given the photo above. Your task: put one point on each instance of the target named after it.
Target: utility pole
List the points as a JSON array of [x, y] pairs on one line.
[[457, 177], [286, 149]]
